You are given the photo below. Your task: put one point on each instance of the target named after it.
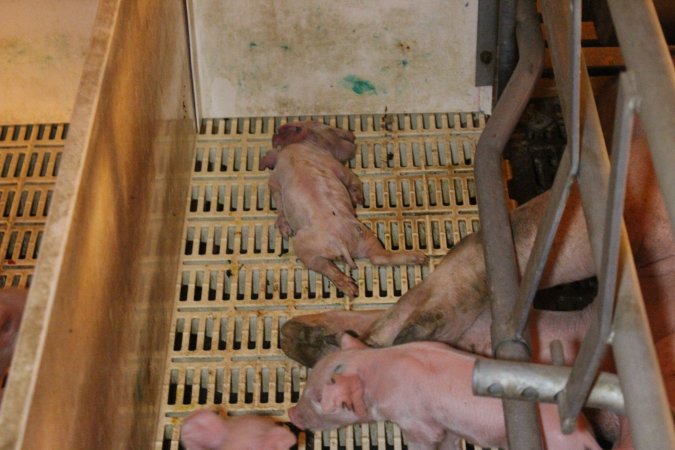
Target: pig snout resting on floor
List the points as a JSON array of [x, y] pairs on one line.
[[315, 196], [425, 388], [206, 430], [12, 302]]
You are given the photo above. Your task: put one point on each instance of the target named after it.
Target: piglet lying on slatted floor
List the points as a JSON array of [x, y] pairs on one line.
[[206, 430], [315, 195], [425, 388]]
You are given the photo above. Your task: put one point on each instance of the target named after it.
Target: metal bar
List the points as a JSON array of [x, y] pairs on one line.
[[564, 178], [486, 42], [646, 402], [507, 52], [646, 54], [500, 256], [594, 346], [527, 381]]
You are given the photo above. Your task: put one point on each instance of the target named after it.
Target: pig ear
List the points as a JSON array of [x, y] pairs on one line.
[[268, 161], [343, 392], [350, 342], [344, 134]]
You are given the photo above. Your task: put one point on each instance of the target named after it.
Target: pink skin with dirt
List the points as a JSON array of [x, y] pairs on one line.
[[425, 388], [206, 430], [315, 196], [12, 303]]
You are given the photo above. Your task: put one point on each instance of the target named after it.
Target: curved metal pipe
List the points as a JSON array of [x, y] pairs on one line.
[[500, 255]]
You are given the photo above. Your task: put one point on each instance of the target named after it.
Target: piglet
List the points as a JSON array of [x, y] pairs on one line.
[[12, 302], [206, 430], [424, 387], [315, 196], [340, 143]]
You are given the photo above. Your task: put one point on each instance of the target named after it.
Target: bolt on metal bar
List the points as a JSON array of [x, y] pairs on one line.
[[646, 54], [540, 382], [564, 178], [520, 417], [594, 346]]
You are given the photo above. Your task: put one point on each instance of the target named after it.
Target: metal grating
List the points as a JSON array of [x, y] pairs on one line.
[[30, 156], [238, 280]]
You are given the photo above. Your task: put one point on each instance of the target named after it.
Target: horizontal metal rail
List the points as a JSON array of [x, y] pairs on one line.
[[541, 382]]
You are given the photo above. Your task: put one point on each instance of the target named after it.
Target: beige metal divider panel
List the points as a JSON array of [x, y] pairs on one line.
[[239, 281], [262, 58]]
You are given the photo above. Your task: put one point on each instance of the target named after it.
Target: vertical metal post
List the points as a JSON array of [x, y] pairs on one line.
[[500, 256], [644, 49], [507, 52]]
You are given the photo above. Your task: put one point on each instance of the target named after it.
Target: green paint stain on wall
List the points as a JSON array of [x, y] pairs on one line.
[[285, 47], [252, 45], [404, 62], [359, 85]]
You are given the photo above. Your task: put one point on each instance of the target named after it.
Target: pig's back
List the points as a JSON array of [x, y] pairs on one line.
[[312, 195], [444, 391], [439, 378]]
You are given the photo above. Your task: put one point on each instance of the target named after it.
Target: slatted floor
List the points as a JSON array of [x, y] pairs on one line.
[[238, 281], [30, 156]]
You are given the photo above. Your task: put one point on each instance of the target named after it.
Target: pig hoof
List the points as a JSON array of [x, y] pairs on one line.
[[284, 228], [307, 343], [349, 288], [357, 197], [417, 258]]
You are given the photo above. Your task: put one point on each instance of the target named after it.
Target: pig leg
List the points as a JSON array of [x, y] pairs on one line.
[[370, 247], [281, 223], [308, 249], [425, 309], [203, 430], [351, 182], [458, 286], [420, 446], [451, 442]]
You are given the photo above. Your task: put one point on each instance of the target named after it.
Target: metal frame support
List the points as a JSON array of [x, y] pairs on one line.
[[646, 54], [486, 43], [507, 50], [563, 181], [500, 256], [649, 89], [594, 346]]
